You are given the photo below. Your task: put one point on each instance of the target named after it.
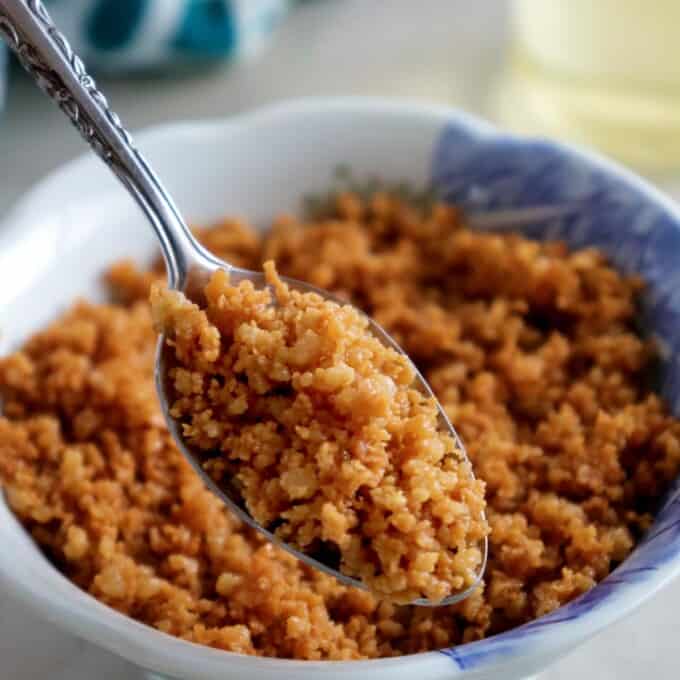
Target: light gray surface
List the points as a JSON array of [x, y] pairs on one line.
[[446, 51]]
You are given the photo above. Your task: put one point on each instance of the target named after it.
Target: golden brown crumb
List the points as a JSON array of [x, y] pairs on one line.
[[529, 347], [325, 433]]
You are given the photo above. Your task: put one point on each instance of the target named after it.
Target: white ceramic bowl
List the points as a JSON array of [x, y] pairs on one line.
[[62, 235]]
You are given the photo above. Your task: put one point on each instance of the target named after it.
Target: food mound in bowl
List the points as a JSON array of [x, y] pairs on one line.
[[291, 400], [531, 349]]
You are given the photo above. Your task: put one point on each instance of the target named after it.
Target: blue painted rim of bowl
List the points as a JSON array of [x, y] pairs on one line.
[[495, 171]]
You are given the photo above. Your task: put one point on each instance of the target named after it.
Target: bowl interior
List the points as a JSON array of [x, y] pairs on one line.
[[58, 240]]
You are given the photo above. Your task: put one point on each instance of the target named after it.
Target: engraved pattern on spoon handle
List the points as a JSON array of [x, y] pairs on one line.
[[52, 84], [47, 56]]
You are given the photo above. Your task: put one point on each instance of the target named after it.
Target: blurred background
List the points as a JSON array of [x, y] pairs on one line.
[[604, 74]]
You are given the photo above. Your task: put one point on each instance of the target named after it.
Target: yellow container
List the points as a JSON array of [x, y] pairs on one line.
[[604, 73]]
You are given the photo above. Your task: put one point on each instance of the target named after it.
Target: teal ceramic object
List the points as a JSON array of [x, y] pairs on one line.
[[136, 35], [3, 76]]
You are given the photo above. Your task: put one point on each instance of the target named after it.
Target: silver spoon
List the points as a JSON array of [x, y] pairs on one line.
[[47, 56]]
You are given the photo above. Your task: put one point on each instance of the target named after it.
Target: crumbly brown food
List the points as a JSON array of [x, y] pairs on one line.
[[531, 349], [325, 434]]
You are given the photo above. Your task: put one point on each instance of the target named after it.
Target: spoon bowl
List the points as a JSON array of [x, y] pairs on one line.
[[192, 284]]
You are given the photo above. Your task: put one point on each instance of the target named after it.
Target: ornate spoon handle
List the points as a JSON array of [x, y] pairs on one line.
[[47, 56]]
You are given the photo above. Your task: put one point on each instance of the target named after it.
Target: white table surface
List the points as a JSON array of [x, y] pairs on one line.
[[442, 50]]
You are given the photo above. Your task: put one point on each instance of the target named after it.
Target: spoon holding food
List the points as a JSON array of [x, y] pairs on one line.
[[298, 410]]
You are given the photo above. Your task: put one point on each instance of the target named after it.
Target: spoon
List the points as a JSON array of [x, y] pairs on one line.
[[47, 56]]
